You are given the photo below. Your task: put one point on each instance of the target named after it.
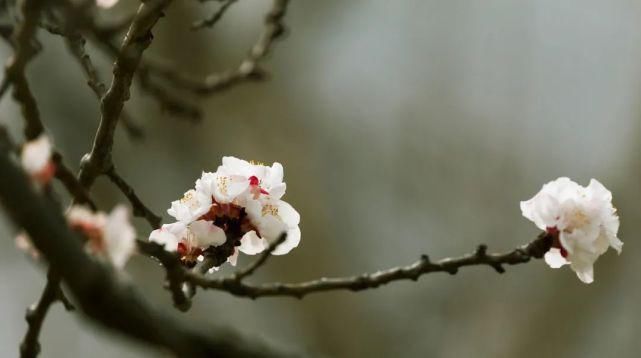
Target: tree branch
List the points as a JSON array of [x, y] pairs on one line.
[[523, 254], [248, 70], [23, 35], [138, 38], [215, 17], [76, 44], [139, 208], [30, 347]]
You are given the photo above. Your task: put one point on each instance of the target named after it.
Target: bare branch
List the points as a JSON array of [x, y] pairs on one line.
[[138, 38], [30, 347], [215, 17], [68, 179], [169, 102], [15, 68], [523, 254], [248, 70], [76, 44], [139, 208]]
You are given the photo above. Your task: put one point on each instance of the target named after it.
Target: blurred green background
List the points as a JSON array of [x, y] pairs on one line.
[[405, 128]]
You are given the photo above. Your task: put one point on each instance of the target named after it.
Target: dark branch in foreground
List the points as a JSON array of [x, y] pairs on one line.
[[99, 293], [523, 254]]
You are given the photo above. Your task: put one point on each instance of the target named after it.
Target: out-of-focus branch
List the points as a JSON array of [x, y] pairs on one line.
[[139, 208], [23, 34], [169, 102], [76, 44], [248, 70], [138, 38], [30, 347], [215, 17], [98, 292], [523, 254]]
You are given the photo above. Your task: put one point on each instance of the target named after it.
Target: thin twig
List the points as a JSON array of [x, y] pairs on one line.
[[215, 17], [76, 44], [71, 183], [15, 68], [138, 38], [523, 254], [248, 70], [139, 208], [30, 347]]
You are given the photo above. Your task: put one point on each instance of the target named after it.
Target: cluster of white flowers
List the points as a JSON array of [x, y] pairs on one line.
[[36, 159], [241, 201], [581, 220], [110, 237]]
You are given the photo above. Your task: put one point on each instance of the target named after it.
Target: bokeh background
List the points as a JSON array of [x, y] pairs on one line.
[[405, 128]]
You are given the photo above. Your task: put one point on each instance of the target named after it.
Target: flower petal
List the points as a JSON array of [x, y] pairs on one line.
[[554, 258]]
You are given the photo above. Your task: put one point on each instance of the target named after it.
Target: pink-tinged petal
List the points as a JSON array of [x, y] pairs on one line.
[[119, 236]]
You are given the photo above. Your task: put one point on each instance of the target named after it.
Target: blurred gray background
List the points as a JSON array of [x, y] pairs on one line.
[[405, 128]]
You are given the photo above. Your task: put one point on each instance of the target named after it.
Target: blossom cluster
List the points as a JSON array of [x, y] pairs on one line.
[[239, 205], [582, 221]]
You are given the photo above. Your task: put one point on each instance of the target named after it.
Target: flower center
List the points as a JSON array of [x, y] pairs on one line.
[[576, 219], [223, 183], [270, 209]]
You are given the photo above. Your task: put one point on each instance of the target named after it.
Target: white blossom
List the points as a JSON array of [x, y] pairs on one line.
[[189, 240], [105, 4], [240, 197], [36, 159], [236, 180], [110, 236], [271, 218], [193, 205], [582, 220]]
